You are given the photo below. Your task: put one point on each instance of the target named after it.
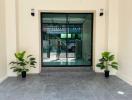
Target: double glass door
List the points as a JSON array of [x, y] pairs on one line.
[[63, 38]]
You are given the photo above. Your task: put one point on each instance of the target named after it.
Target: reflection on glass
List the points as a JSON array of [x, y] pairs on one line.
[[67, 39]]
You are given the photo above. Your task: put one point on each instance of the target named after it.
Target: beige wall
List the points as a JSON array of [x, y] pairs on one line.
[[125, 40], [29, 27], [3, 69], [11, 29], [112, 21], [23, 30]]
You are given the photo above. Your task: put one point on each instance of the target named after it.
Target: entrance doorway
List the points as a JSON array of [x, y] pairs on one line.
[[66, 39]]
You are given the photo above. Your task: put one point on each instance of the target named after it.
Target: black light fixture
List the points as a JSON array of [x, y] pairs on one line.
[[32, 12], [101, 12]]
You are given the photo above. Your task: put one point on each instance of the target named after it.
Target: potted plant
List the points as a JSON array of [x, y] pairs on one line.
[[106, 61], [23, 63]]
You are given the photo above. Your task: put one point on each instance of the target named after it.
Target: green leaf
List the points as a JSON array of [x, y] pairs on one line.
[[102, 60], [20, 55], [111, 57], [17, 70], [29, 56], [12, 67], [13, 62], [115, 63], [107, 60], [23, 53], [114, 66], [32, 58], [105, 54], [23, 62], [100, 65]]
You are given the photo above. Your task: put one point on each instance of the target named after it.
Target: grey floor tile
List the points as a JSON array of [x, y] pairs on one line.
[[66, 84]]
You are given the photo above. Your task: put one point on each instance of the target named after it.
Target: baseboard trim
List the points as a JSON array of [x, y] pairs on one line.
[[3, 78], [124, 78]]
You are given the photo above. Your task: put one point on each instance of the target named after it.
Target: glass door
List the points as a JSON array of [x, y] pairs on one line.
[[66, 39], [74, 44], [54, 31]]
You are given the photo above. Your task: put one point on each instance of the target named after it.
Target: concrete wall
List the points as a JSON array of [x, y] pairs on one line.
[[86, 40], [3, 70], [125, 40]]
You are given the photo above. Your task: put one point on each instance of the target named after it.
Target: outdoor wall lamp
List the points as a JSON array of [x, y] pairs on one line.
[[101, 12], [32, 12]]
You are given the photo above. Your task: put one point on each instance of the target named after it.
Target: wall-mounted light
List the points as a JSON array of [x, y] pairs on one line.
[[32, 12], [101, 12]]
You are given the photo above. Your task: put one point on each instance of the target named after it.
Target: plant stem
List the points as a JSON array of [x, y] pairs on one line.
[[107, 65]]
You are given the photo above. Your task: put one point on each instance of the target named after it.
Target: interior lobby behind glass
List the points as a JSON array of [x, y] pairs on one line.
[[66, 39]]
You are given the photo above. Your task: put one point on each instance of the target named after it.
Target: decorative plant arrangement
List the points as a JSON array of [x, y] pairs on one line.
[[22, 63], [107, 60]]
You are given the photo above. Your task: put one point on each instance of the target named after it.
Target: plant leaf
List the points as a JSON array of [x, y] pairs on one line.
[[23, 62], [100, 65], [115, 63], [114, 66], [32, 58], [105, 54], [29, 56], [111, 57]]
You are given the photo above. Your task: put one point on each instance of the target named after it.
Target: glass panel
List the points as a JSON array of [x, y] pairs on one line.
[[54, 40], [79, 46], [67, 39], [87, 32]]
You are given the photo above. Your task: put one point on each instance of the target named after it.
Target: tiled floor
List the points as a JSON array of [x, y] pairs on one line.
[[66, 84]]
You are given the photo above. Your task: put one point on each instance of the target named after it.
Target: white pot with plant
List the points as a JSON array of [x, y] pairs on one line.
[[107, 60], [22, 63]]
